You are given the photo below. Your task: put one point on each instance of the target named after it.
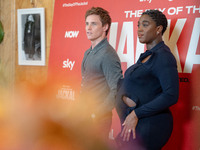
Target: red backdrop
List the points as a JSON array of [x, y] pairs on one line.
[[69, 42]]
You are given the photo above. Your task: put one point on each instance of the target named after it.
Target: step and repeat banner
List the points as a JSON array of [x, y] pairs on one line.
[[69, 42]]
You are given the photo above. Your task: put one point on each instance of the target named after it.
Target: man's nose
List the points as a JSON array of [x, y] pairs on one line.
[[88, 27]]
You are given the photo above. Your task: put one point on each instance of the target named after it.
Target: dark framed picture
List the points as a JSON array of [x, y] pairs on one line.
[[31, 36]]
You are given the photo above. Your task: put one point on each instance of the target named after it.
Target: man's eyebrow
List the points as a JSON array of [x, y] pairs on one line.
[[91, 22]]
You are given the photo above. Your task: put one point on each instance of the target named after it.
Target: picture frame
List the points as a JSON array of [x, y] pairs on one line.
[[31, 36]]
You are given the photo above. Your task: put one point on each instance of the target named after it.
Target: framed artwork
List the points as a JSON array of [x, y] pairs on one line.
[[31, 36]]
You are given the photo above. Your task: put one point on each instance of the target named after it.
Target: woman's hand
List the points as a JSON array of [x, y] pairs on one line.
[[129, 124]]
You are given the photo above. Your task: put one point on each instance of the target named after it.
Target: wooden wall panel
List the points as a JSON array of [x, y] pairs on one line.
[[35, 74], [7, 47], [10, 72]]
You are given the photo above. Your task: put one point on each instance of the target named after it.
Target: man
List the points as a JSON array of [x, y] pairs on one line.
[[101, 69]]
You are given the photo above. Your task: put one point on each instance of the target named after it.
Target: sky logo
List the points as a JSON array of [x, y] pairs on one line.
[[68, 64]]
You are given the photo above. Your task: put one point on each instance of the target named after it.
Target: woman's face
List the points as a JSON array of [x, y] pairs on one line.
[[147, 29]]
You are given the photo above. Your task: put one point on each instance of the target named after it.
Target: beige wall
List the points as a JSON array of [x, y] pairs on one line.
[[10, 71], [7, 47]]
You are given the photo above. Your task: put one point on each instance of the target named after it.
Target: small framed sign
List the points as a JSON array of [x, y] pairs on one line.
[[31, 36]]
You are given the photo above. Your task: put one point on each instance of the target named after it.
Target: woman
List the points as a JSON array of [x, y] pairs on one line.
[[148, 89]]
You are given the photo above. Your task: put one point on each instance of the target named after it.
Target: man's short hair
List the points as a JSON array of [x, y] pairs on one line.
[[103, 14]]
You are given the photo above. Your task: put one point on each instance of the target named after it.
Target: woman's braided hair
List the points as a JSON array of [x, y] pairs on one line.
[[158, 17]]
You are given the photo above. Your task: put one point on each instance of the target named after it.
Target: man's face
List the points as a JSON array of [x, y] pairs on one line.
[[94, 29]]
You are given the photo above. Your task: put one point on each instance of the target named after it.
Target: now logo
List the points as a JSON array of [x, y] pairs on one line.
[[71, 34]]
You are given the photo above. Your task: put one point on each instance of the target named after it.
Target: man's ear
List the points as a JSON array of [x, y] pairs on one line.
[[105, 27]]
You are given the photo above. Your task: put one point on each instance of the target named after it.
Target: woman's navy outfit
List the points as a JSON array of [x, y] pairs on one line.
[[154, 87]]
